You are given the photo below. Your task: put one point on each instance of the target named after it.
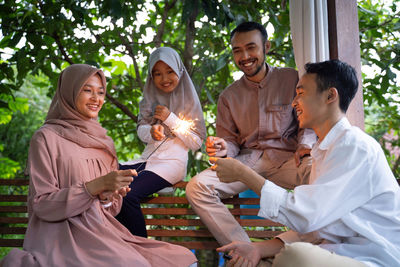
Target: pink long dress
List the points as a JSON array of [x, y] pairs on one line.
[[67, 225]]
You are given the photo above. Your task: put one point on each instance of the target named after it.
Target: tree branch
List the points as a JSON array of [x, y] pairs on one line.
[[61, 48], [189, 41], [121, 106], [56, 37], [381, 25], [160, 32], [132, 55]]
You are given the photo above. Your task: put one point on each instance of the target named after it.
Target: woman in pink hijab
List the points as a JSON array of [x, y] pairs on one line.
[[76, 190]]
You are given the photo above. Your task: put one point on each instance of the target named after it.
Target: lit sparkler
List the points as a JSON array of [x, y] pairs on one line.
[[184, 127]]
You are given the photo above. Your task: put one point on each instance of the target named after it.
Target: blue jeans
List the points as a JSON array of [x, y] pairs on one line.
[[146, 183]]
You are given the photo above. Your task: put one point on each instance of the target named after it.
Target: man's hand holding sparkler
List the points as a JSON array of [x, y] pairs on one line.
[[216, 147], [228, 170], [231, 170]]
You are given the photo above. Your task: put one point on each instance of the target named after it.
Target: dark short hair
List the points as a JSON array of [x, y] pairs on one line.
[[338, 74], [250, 26]]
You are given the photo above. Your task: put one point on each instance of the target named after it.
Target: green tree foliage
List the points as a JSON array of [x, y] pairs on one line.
[[16, 134], [46, 36], [379, 23], [9, 166], [43, 37]]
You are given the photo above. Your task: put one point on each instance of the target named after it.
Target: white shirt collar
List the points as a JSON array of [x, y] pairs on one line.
[[333, 134]]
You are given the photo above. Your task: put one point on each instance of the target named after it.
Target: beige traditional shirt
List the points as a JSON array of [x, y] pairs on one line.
[[258, 117]]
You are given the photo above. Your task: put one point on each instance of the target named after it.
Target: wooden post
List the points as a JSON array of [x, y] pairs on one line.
[[344, 45]]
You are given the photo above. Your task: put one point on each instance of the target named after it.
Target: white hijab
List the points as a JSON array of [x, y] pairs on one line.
[[183, 101]]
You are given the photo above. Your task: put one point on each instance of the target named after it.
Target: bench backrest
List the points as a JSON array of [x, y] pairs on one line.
[[169, 218]]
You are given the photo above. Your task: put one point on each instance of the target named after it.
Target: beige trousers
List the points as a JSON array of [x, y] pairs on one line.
[[301, 254], [204, 192]]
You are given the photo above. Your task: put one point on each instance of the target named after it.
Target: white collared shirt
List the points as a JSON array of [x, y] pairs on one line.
[[353, 202]]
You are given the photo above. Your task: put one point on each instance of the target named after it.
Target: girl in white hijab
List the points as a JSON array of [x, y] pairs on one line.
[[169, 99]]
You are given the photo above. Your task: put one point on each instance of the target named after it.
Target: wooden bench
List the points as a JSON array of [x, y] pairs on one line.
[[169, 218]]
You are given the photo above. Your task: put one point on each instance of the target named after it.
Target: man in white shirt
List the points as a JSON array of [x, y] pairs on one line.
[[350, 213]]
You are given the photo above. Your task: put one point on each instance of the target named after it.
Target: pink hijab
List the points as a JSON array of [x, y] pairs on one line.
[[64, 119]]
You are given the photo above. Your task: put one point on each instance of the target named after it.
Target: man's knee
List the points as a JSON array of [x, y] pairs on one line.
[[195, 187], [294, 255], [199, 187], [192, 187]]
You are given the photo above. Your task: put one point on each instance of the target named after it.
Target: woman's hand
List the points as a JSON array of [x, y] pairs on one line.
[[113, 181], [124, 191], [157, 132], [161, 113], [108, 196]]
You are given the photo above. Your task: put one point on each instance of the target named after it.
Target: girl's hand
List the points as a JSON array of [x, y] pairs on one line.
[[157, 132], [161, 113]]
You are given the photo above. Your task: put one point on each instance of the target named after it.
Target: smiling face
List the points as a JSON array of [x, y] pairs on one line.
[[310, 104], [249, 54], [91, 97], [164, 77]]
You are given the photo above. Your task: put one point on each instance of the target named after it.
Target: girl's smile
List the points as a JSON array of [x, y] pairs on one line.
[[164, 77]]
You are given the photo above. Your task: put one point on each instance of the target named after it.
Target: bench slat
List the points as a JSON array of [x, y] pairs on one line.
[[11, 220], [13, 230], [188, 211], [198, 222], [206, 233], [183, 200], [16, 209], [16, 181], [197, 244], [174, 222], [13, 243], [13, 198]]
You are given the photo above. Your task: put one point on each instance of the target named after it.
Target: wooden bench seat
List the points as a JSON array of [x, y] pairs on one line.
[[169, 218]]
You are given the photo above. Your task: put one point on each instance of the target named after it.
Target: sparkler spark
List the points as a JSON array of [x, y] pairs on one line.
[[184, 126]]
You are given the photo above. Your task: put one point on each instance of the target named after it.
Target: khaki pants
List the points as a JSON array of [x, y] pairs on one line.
[[204, 192], [301, 254]]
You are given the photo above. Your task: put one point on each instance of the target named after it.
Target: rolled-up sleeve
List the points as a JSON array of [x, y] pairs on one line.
[[272, 197]]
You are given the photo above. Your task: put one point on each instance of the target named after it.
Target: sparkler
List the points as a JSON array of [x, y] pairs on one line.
[[184, 127]]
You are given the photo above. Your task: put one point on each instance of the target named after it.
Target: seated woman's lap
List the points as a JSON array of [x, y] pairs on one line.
[[146, 183]]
